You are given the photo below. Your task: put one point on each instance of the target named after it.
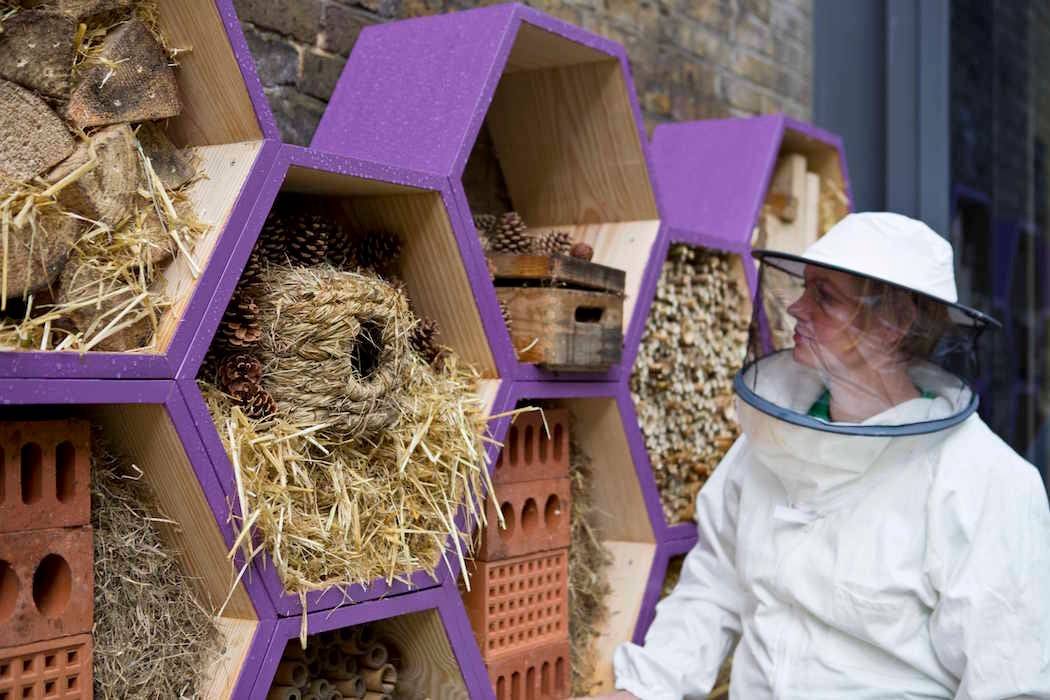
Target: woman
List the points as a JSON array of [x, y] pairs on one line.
[[867, 536]]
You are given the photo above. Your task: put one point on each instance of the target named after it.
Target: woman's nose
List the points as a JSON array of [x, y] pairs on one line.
[[800, 308]]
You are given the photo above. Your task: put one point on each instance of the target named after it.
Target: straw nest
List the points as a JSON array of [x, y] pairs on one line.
[[336, 495], [152, 637], [682, 384], [589, 561]]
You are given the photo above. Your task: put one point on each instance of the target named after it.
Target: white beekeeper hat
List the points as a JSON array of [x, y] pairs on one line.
[[889, 248]]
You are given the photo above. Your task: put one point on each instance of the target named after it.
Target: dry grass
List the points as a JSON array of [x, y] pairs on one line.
[[110, 277], [589, 561], [152, 637], [332, 499]]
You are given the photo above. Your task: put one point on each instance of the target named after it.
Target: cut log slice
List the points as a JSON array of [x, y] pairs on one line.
[[107, 192], [32, 137], [36, 51], [82, 281], [35, 258], [82, 9], [132, 83], [175, 166]]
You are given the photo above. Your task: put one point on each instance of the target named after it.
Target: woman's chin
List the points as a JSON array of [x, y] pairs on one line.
[[803, 356]]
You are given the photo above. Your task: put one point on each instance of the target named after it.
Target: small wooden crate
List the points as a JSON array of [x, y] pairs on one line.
[[566, 314]]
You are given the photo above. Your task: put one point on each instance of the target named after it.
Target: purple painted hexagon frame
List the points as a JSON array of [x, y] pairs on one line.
[[415, 93]]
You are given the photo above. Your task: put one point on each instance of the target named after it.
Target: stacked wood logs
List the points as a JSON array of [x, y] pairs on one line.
[[345, 663]]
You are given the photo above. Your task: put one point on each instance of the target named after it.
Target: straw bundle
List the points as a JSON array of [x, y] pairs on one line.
[[152, 636], [589, 561], [335, 494], [336, 351]]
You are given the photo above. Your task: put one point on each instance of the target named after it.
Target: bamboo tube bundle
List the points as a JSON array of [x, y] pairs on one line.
[[351, 687], [283, 692], [381, 680], [293, 673]]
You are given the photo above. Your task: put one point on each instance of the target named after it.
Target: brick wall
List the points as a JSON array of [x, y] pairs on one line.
[[692, 59]]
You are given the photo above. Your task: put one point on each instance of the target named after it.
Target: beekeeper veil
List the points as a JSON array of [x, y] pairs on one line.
[[862, 333]]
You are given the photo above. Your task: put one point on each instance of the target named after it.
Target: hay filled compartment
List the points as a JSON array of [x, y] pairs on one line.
[[612, 545], [165, 599], [217, 126], [682, 385], [359, 393]]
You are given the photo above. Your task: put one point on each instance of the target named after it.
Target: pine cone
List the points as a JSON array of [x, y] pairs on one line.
[[486, 224], [256, 401], [341, 253], [308, 239], [239, 368], [424, 340], [511, 236], [240, 324], [399, 285], [272, 243], [375, 250], [504, 309], [553, 242]]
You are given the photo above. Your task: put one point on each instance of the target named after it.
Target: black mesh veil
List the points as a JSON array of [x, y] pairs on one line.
[[842, 352]]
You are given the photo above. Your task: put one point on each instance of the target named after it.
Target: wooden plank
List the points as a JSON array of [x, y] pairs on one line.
[[221, 675], [146, 434], [565, 329], [225, 169], [628, 577], [785, 206], [557, 269], [619, 506], [538, 48], [428, 667], [431, 267], [329, 184], [811, 211], [789, 179], [822, 158], [216, 107], [569, 146]]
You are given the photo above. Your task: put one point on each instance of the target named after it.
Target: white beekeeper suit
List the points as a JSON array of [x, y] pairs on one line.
[[905, 556]]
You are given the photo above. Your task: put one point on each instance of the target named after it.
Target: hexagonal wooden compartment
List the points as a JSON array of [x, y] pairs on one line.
[[225, 120], [559, 107], [361, 195], [147, 421]]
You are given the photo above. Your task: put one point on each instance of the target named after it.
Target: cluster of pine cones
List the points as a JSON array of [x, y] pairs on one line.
[[299, 240], [508, 234]]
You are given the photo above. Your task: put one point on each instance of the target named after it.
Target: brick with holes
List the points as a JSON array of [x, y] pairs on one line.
[[530, 452], [46, 584], [520, 602], [57, 668], [535, 516], [540, 672], [45, 474]]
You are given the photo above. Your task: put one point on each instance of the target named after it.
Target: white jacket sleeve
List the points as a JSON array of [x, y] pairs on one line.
[[699, 622], [988, 558]]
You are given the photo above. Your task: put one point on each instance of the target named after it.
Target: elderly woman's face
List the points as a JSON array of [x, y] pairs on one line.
[[829, 314]]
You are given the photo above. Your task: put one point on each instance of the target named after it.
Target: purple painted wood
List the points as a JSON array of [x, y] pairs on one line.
[[654, 588], [235, 34], [248, 673], [415, 93], [444, 599], [712, 176], [82, 391]]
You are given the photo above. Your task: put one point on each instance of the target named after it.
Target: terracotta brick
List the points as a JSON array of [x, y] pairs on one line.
[[536, 515], [58, 668], [529, 453], [46, 584], [517, 603], [540, 672], [46, 474]]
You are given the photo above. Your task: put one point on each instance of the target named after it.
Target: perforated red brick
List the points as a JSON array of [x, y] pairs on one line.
[[540, 672], [46, 474], [536, 515], [529, 453], [520, 602], [46, 584], [58, 668]]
